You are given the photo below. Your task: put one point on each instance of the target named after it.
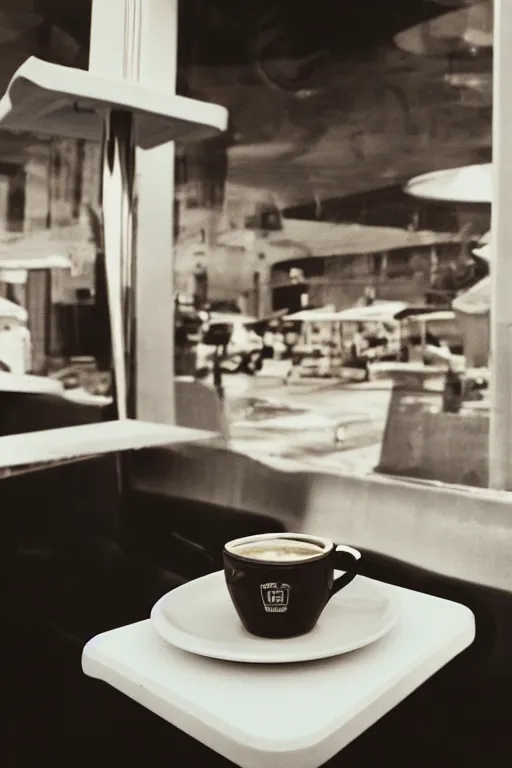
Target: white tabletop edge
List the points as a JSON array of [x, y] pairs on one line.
[[365, 717], [98, 665], [306, 750]]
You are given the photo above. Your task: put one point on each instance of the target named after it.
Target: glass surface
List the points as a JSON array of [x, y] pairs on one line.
[[53, 320], [302, 205]]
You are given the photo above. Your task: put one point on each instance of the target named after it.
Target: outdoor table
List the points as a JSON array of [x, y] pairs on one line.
[[289, 715]]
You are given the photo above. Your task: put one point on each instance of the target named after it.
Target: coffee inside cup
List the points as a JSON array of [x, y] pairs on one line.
[[278, 550]]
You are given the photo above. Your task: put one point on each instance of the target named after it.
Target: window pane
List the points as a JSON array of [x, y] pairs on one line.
[[314, 190], [54, 324]]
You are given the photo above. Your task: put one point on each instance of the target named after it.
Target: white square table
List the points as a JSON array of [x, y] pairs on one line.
[[283, 716]]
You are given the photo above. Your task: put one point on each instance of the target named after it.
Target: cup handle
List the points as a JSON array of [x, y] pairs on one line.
[[345, 559]]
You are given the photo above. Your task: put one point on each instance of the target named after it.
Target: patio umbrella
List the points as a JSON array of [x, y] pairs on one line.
[[324, 239], [464, 32], [469, 184], [484, 247]]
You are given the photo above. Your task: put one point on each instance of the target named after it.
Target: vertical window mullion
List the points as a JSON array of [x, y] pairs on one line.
[[500, 432], [141, 43]]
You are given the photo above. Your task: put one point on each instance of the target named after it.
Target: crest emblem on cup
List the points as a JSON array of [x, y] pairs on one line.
[[275, 596]]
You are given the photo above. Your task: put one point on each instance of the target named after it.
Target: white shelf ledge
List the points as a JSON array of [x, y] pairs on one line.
[[63, 101], [28, 384], [51, 445]]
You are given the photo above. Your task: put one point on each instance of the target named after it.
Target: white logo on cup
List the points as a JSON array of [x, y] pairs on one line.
[[275, 596]]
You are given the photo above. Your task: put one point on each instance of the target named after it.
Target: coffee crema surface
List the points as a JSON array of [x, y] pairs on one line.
[[278, 550]]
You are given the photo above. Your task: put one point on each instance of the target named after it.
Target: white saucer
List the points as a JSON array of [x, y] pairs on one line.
[[200, 618]]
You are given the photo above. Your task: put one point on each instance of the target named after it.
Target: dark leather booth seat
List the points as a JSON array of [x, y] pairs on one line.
[[75, 560]]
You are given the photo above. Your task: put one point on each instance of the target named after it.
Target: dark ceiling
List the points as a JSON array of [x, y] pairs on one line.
[[346, 27], [322, 102], [226, 28]]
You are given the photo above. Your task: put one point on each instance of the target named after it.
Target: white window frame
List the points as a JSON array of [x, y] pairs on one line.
[[500, 433], [138, 38]]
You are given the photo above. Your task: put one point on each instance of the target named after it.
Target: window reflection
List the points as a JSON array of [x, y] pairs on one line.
[[53, 322], [303, 208], [50, 241]]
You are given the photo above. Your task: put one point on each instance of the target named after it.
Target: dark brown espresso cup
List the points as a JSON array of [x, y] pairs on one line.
[[280, 583]]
